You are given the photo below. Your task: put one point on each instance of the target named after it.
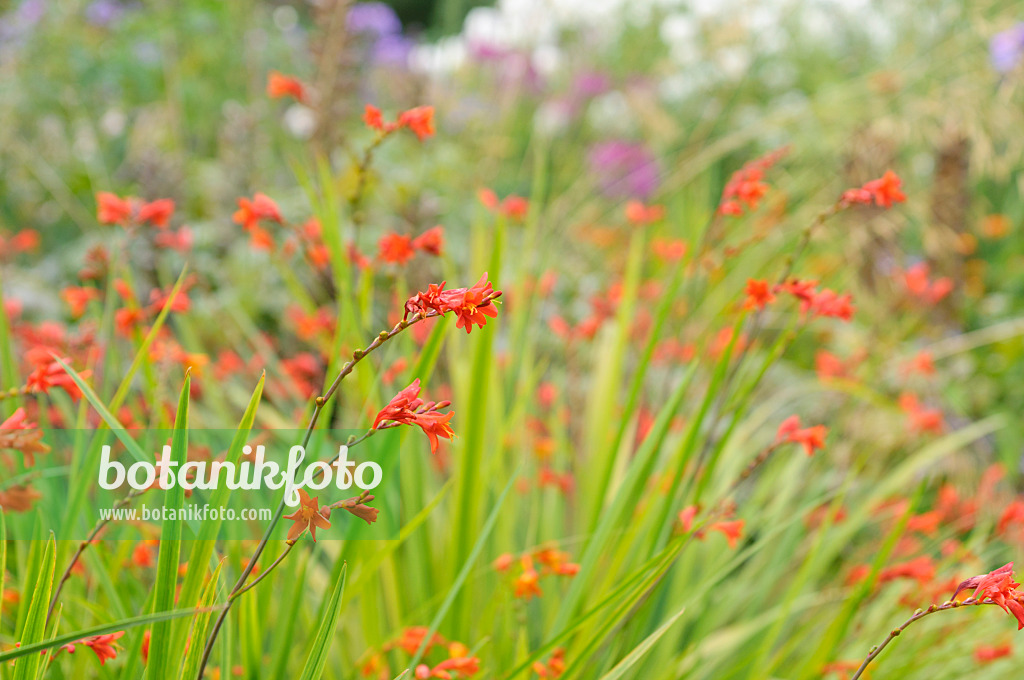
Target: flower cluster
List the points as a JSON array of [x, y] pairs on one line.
[[527, 584], [997, 587], [400, 248], [311, 516], [884, 192], [408, 409], [813, 302], [512, 206], [811, 438], [471, 306], [419, 120], [745, 188], [457, 664]]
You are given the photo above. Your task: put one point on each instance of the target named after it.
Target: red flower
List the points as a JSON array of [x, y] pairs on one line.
[[639, 214], [988, 654], [407, 408], [759, 294], [884, 191], [280, 85], [112, 209], [180, 240], [921, 419], [431, 241], [513, 207], [999, 587], [101, 644], [733, 530], [471, 305], [373, 118], [670, 251], [811, 438], [250, 213], [395, 248], [420, 120], [157, 213], [18, 434], [49, 373], [79, 298], [916, 279], [745, 187]]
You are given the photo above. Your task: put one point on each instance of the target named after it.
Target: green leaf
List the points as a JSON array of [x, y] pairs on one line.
[[35, 623], [317, 659], [112, 422], [641, 649], [194, 655], [121, 624], [3, 550], [162, 657], [466, 568], [143, 353], [202, 548], [288, 617]]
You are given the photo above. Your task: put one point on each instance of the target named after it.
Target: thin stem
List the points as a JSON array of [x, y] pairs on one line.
[[280, 558], [81, 549], [918, 615], [318, 405]]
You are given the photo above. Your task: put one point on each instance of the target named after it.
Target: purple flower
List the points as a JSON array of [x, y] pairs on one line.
[[103, 12], [590, 84], [1006, 48], [375, 18], [624, 170], [392, 49]]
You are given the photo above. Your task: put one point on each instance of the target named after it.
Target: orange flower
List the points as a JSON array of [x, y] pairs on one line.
[[373, 118], [513, 207], [999, 587], [306, 517], [920, 418], [357, 506], [251, 212], [504, 561], [988, 654], [811, 438], [759, 294], [420, 120], [669, 251], [112, 209], [395, 248], [157, 213], [745, 188], [554, 667], [79, 298], [101, 644], [916, 279], [49, 373], [639, 214], [733, 530], [431, 241], [407, 408], [884, 191], [527, 584], [18, 498], [473, 305], [280, 85]]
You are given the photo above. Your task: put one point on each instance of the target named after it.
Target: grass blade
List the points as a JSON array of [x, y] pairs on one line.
[[35, 623], [161, 652], [317, 659]]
